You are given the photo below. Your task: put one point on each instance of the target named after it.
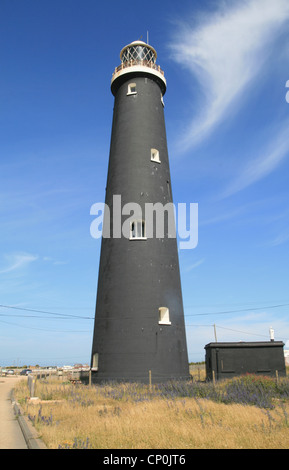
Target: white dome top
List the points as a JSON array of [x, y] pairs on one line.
[[138, 42]]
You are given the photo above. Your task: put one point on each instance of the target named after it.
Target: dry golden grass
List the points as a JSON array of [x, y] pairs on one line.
[[122, 423]]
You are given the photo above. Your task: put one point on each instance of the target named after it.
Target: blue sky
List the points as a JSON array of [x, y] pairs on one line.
[[226, 65]]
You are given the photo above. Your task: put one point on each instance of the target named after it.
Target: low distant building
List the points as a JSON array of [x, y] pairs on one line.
[[81, 366]]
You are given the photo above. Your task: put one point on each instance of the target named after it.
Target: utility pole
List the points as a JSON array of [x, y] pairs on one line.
[[215, 333]]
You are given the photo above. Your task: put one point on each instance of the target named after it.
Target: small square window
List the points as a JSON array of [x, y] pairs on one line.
[[164, 316], [131, 90], [155, 156], [137, 230]]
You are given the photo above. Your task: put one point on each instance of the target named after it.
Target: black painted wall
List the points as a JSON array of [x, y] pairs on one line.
[[136, 277], [233, 359]]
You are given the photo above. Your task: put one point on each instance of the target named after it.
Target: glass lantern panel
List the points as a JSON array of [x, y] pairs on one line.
[[138, 53]]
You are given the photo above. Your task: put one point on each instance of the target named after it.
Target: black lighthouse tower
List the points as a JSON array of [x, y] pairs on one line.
[[139, 326]]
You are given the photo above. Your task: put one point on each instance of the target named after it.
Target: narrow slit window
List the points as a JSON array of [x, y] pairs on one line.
[[155, 156], [137, 230], [131, 89], [164, 316]]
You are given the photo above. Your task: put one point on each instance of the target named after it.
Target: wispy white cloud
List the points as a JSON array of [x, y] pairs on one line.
[[262, 165], [195, 265], [17, 261], [223, 216], [281, 238], [53, 261], [224, 52]]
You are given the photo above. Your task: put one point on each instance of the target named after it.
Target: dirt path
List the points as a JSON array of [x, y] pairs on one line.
[[11, 436]]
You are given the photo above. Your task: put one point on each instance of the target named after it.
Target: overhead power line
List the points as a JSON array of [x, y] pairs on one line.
[[46, 312], [43, 329], [67, 315], [239, 331], [236, 311]]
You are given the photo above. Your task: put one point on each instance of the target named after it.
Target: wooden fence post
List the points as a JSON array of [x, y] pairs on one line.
[[214, 380], [31, 385]]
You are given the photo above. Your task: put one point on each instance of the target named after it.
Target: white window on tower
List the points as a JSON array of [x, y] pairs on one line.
[[164, 316], [155, 156], [95, 361], [131, 90], [137, 230]]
